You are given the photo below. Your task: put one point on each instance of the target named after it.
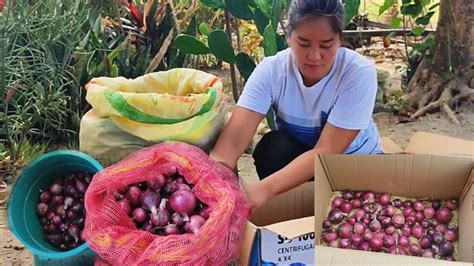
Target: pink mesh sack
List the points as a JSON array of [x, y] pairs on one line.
[[114, 236]]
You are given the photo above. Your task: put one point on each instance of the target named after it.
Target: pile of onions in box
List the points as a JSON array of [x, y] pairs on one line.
[[364, 220]]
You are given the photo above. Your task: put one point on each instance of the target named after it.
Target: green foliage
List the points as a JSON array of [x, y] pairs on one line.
[[221, 47]]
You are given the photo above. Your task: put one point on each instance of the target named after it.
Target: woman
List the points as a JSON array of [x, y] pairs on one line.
[[323, 97]]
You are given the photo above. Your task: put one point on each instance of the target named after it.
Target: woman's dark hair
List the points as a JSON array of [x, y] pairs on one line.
[[301, 10]]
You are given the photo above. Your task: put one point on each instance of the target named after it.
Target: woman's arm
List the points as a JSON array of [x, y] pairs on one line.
[[236, 136], [333, 140]]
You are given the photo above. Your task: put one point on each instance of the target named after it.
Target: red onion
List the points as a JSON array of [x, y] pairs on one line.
[[389, 211], [356, 203], [335, 216], [78, 207], [134, 195], [204, 212], [359, 214], [431, 231], [42, 209], [171, 229], [327, 224], [419, 216], [57, 200], [358, 194], [57, 220], [60, 211], [376, 244], [346, 207], [414, 249], [429, 212], [425, 224], [351, 220], [139, 215], [356, 240], [438, 238], [183, 186], [369, 196], [436, 204], [81, 186], [366, 221], [71, 215], [368, 235], [148, 227], [417, 231], [183, 202], [163, 216], [329, 235], [344, 230], [446, 249], [359, 228], [444, 215], [449, 258], [45, 197], [149, 202], [398, 220], [55, 188], [122, 190], [384, 199], [375, 226], [407, 203], [194, 224], [425, 242], [386, 222], [71, 191], [451, 235], [390, 230], [403, 241], [406, 230], [411, 220], [336, 202], [418, 205], [170, 188], [344, 243], [409, 211], [156, 182], [125, 206], [177, 219], [364, 246], [367, 208], [428, 253], [171, 171], [452, 204], [442, 228], [74, 232], [388, 241], [54, 239]]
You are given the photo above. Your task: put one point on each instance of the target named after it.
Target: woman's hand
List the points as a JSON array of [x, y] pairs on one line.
[[257, 194]]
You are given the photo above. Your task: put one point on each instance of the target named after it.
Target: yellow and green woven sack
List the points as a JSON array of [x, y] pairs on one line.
[[180, 104]]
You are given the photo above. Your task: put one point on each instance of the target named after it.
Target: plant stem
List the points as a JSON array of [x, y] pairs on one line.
[[235, 92], [405, 39]]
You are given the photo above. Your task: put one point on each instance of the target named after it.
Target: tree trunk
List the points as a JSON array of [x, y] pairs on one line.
[[447, 75]]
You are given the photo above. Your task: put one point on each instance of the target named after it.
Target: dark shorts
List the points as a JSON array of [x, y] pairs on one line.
[[275, 150]]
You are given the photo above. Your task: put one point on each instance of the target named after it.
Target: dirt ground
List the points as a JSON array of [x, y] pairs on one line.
[[12, 252]]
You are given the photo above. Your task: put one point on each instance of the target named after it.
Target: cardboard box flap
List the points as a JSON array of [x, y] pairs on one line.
[[466, 228], [248, 237], [389, 146], [428, 143], [293, 228], [296, 203], [336, 256], [409, 175]]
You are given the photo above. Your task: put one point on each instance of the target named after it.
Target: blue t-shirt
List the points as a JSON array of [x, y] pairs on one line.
[[344, 98]]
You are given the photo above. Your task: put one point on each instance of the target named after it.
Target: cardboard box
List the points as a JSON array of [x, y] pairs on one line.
[[282, 231], [419, 171], [291, 215]]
